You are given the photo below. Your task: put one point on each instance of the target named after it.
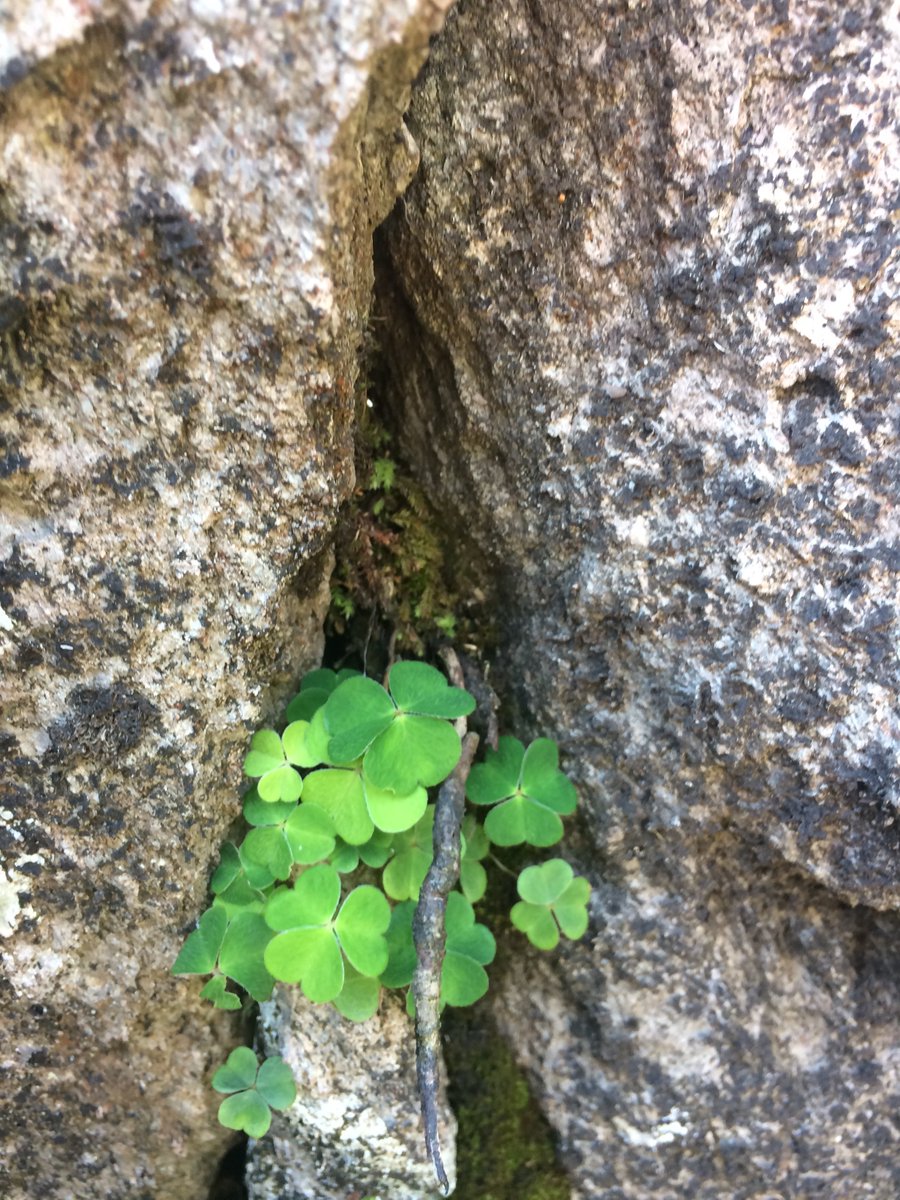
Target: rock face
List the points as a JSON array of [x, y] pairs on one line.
[[639, 313], [187, 194], [355, 1129]]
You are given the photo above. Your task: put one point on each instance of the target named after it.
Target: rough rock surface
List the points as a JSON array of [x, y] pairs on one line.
[[187, 194], [355, 1128], [641, 312]]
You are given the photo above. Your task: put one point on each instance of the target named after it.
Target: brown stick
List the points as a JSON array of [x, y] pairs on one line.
[[429, 933]]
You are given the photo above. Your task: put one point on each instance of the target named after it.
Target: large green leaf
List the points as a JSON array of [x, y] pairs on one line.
[[412, 751], [338, 791], [310, 957], [419, 688], [356, 712]]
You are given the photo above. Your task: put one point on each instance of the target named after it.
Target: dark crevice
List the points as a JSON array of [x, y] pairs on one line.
[[229, 1181]]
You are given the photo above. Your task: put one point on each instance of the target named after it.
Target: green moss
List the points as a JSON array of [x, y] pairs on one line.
[[396, 565], [505, 1147]]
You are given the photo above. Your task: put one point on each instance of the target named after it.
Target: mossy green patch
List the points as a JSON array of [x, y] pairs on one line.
[[505, 1148], [398, 564]]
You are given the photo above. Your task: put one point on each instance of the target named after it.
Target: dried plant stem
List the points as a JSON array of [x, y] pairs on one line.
[[429, 936]]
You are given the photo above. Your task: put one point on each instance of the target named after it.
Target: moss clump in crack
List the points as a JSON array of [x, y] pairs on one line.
[[394, 562], [505, 1147]]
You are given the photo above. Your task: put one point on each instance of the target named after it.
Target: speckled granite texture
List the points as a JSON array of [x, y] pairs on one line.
[[641, 303], [187, 194]]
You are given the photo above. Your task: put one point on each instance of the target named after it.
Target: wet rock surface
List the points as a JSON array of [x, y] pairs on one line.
[[187, 194], [638, 306]]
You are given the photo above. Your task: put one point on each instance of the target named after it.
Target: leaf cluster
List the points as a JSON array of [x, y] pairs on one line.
[[343, 788]]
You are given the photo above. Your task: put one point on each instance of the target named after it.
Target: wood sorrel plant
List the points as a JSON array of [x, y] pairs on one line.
[[347, 782]]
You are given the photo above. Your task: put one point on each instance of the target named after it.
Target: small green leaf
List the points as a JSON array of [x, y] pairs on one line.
[[242, 957], [216, 992], [266, 753], [237, 1072], [520, 820], [246, 1111], [536, 923], [275, 1083], [545, 884], [201, 949], [570, 909], [361, 925], [311, 901], [265, 812], [305, 705], [344, 858], [401, 950], [469, 948], [300, 746], [358, 998], [413, 852], [552, 900], [339, 792], [377, 850], [472, 880], [282, 784], [240, 896], [419, 688], [498, 776], [392, 813], [228, 869], [310, 834], [266, 855]]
